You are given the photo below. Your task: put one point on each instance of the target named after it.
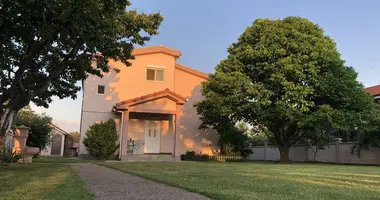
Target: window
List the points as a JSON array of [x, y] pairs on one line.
[[155, 74], [101, 89]]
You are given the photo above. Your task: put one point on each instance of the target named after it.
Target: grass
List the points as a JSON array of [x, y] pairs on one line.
[[51, 159], [263, 180], [41, 181]]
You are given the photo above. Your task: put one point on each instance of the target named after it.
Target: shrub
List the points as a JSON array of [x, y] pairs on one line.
[[232, 141], [101, 140], [193, 156], [10, 156]]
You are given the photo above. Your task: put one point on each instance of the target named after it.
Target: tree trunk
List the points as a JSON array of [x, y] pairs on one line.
[[284, 154], [6, 120]]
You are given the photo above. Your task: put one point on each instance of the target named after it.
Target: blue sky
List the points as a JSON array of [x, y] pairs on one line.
[[203, 29]]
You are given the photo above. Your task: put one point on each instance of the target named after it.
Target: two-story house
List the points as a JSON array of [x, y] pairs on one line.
[[151, 102]]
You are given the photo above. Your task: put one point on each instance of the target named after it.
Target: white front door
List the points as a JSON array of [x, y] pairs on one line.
[[152, 136]]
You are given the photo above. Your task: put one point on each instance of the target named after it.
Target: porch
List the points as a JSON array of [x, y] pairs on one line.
[[149, 127]]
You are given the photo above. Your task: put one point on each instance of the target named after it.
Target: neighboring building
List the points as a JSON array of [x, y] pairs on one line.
[[61, 143], [375, 92], [151, 102]]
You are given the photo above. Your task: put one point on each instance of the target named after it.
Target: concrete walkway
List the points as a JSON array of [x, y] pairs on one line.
[[111, 184]]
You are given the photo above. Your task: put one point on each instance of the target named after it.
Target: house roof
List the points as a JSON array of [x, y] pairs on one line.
[[163, 93], [63, 132], [191, 71], [157, 49], [374, 90], [169, 51]]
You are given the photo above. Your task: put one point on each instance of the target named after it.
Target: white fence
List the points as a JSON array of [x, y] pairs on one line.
[[334, 153]]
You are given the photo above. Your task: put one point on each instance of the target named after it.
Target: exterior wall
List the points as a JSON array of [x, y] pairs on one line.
[[191, 138], [69, 143], [334, 153], [167, 136], [56, 145], [136, 129], [158, 104], [129, 83]]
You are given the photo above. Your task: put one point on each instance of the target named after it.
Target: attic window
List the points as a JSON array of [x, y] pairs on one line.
[[101, 89], [154, 74]]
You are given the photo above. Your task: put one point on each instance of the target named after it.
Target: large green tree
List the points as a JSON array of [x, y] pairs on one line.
[[287, 78], [46, 47]]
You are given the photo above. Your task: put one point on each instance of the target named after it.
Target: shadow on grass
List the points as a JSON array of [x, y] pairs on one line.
[[48, 159], [41, 181]]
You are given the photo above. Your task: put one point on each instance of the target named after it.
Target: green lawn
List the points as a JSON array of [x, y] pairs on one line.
[[41, 181], [263, 180]]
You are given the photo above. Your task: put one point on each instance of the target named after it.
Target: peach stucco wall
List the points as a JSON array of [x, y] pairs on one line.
[[130, 83], [158, 104], [191, 138]]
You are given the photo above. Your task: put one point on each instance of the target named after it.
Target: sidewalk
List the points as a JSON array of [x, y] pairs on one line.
[[111, 184]]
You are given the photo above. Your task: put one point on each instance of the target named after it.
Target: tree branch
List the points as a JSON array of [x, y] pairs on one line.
[[55, 75]]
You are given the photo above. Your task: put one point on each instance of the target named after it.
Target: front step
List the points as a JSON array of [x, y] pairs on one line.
[[148, 158]]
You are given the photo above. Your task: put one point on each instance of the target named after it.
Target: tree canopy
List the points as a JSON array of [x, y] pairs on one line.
[[48, 46], [286, 77], [75, 135], [39, 124]]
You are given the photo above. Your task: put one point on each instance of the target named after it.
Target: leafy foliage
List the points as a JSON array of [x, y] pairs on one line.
[[39, 124], [101, 140], [10, 156], [288, 79], [75, 135], [48, 46], [368, 133]]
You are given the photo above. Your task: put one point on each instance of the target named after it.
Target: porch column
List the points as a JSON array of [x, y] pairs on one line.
[[177, 135], [62, 144], [124, 132]]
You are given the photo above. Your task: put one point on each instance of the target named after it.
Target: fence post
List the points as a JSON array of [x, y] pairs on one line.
[[337, 149], [377, 152], [306, 153], [265, 150]]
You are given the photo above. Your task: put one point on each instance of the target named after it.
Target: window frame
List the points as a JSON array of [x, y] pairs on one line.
[[155, 69], [104, 90]]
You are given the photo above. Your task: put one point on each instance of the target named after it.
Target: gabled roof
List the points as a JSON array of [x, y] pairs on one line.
[[63, 132], [374, 90], [156, 95], [157, 49], [191, 71]]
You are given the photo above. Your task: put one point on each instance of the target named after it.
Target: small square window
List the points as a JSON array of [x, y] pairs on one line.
[[101, 89], [150, 74], [154, 74]]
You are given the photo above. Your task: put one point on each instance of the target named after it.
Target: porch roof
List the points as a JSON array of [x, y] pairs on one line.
[[178, 99]]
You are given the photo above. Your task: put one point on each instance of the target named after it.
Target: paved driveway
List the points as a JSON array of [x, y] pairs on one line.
[[111, 184]]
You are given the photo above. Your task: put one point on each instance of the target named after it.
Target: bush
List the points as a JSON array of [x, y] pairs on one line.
[[10, 156], [193, 156], [232, 141], [101, 140]]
